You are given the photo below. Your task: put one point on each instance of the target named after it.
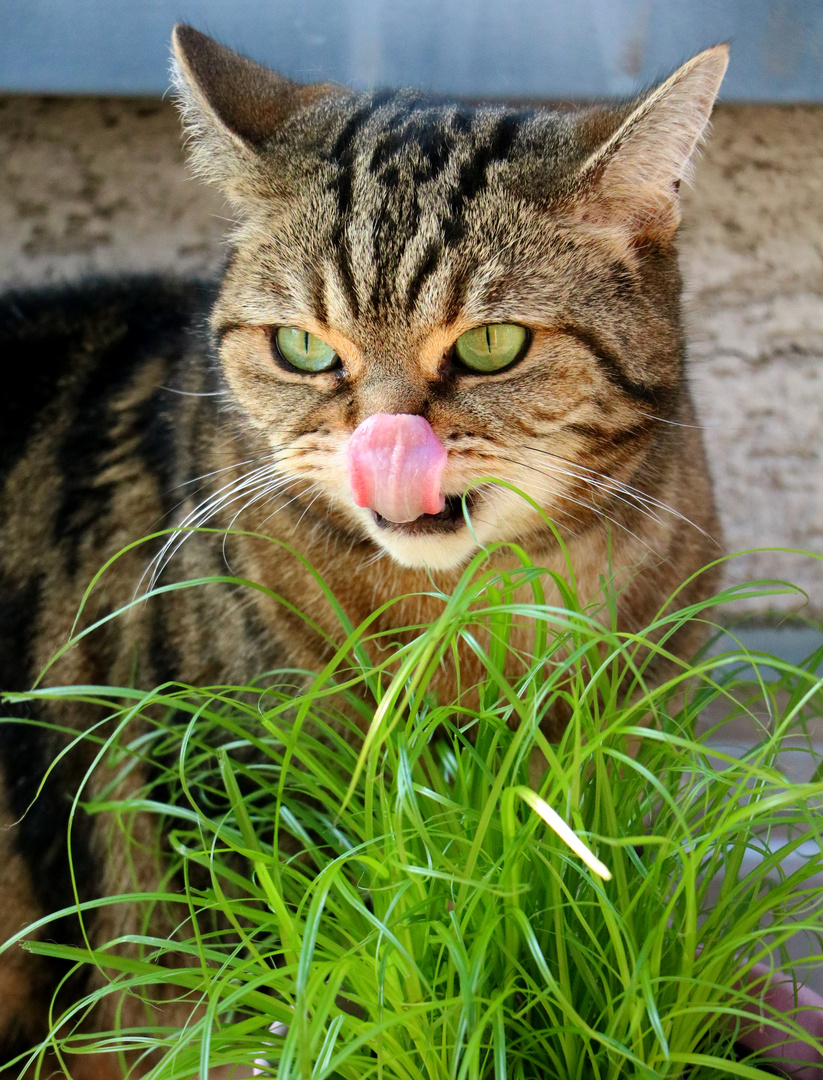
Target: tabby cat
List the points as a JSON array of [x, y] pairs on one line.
[[419, 294]]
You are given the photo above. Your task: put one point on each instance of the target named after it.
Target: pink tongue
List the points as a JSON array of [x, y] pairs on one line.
[[396, 464]]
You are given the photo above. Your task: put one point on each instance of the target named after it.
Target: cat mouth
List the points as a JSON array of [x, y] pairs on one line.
[[449, 520]]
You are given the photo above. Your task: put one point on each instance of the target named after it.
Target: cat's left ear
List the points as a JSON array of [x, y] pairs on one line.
[[231, 108], [634, 176]]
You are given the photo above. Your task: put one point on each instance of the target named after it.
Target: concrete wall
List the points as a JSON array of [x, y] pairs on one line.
[[94, 184]]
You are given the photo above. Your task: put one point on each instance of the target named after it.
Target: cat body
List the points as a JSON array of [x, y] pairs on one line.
[[378, 235]]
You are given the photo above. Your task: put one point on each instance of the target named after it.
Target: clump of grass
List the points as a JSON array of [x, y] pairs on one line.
[[401, 905]]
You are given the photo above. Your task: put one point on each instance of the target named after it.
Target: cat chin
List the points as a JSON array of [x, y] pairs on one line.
[[436, 552]]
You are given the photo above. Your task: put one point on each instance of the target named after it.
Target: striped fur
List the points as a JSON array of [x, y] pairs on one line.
[[387, 224]]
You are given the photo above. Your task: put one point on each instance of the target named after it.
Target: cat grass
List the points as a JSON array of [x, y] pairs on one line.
[[406, 904]]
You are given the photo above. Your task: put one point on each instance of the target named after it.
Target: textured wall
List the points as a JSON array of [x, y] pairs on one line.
[[91, 185], [753, 261]]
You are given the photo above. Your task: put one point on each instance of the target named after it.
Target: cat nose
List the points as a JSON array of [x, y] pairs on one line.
[[390, 394], [396, 466]]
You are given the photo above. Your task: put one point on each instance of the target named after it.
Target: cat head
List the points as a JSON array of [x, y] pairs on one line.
[[424, 294]]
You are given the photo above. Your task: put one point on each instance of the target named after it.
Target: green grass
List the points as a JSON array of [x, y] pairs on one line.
[[399, 907]]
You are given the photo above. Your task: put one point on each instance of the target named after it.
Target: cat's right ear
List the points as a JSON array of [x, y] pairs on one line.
[[632, 180], [231, 107]]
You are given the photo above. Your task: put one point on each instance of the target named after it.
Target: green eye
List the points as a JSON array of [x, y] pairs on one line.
[[305, 351], [492, 347]]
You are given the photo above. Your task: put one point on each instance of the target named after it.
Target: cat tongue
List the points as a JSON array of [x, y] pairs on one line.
[[396, 464]]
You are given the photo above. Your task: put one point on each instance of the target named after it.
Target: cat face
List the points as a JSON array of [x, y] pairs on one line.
[[507, 276]]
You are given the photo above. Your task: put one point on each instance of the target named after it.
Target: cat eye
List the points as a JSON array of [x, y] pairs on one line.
[[305, 351], [492, 347]]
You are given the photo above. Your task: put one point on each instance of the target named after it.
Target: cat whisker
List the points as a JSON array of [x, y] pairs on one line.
[[222, 217], [261, 490], [591, 507], [646, 502], [674, 423], [379, 554], [554, 492], [283, 506], [267, 459], [214, 472], [539, 494], [310, 505], [265, 491], [194, 393], [197, 518], [621, 490], [612, 488]]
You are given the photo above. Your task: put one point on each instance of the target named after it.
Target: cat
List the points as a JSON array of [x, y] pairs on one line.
[[419, 294]]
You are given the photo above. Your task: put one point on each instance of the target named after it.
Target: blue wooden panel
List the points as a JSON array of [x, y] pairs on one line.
[[491, 48]]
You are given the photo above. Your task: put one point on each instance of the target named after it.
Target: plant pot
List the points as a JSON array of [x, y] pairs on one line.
[[780, 993]]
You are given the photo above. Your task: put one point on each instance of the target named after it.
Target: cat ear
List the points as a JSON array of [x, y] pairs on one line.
[[633, 178], [230, 107]]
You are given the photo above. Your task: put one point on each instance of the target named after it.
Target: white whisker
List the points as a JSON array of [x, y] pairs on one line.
[[674, 423], [194, 393], [214, 472], [299, 495], [310, 505], [591, 507], [619, 490], [379, 554], [264, 491], [226, 495]]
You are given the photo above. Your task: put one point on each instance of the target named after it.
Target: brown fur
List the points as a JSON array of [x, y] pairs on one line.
[[387, 226]]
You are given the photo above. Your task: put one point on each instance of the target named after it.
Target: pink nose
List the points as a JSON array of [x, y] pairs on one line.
[[396, 466]]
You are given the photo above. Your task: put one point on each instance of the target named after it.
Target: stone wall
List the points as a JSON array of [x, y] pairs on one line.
[[753, 261], [91, 185]]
